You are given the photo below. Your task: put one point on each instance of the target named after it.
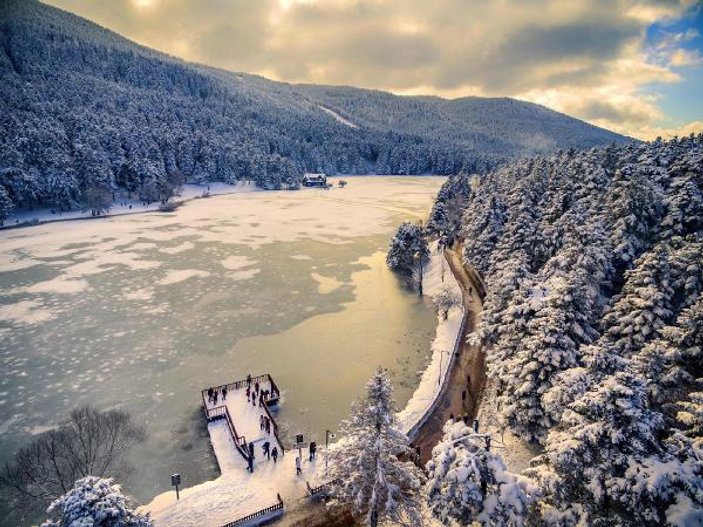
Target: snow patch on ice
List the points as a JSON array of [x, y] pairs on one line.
[[326, 284], [234, 263], [180, 275], [60, 284], [25, 312]]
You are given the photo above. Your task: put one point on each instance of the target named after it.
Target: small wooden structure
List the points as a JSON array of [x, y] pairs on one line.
[[315, 180]]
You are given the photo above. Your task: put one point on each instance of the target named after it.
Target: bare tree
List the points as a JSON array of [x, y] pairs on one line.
[[89, 443], [445, 300]]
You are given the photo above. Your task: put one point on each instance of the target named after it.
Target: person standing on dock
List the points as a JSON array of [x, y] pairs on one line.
[[298, 469], [274, 454], [209, 394], [214, 398]]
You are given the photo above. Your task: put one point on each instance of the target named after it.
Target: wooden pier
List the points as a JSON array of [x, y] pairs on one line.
[[233, 407]]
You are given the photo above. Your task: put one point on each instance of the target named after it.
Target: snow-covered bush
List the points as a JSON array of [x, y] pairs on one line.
[[94, 502], [469, 483], [408, 250]]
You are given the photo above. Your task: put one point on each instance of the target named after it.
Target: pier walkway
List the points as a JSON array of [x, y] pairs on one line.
[[241, 415]]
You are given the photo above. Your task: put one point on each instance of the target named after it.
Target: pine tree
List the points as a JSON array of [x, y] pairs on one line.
[[408, 249], [606, 465], [6, 205], [94, 501], [365, 465], [644, 305], [469, 483]]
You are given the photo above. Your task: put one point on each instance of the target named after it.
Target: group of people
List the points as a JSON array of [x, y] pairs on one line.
[[265, 423], [298, 461], [213, 394], [270, 453], [258, 393]]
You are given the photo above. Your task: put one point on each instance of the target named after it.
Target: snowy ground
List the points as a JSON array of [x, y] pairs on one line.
[[442, 346], [515, 452], [123, 206]]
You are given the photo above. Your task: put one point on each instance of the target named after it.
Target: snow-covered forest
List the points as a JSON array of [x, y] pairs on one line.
[[593, 323], [85, 113]]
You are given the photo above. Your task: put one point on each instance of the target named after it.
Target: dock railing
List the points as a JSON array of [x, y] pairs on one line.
[[258, 514]]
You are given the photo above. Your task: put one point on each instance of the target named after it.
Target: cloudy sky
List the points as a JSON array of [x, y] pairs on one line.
[[634, 66]]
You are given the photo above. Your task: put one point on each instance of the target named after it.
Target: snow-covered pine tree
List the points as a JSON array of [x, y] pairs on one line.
[[366, 465], [632, 213], [469, 483], [561, 310], [643, 306], [6, 205], [684, 196], [605, 463], [408, 249], [94, 501]]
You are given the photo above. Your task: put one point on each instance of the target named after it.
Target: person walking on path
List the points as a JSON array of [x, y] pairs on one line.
[[251, 450], [250, 464], [248, 380], [274, 454], [262, 423], [224, 393], [266, 447], [256, 388], [253, 399], [267, 425], [313, 450], [298, 470]]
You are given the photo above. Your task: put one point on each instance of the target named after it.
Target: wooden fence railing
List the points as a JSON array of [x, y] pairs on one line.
[[258, 514], [272, 400]]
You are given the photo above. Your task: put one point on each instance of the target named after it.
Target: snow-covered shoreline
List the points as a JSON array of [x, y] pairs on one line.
[[443, 344], [121, 207]]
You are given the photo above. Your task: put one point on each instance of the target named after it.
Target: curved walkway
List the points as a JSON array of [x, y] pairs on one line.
[[468, 373]]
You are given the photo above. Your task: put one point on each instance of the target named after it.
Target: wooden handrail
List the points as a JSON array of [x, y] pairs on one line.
[[262, 512]]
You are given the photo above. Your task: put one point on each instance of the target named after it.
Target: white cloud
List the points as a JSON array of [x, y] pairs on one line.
[[581, 57]]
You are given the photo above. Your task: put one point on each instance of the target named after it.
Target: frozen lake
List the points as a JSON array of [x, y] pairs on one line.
[[143, 311]]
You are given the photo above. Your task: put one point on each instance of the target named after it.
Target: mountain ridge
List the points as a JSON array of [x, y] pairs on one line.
[[84, 108]]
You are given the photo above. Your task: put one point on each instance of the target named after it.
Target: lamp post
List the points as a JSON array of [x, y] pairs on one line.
[[175, 481], [328, 434]]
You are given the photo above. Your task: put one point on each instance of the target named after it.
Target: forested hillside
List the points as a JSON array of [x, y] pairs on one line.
[[84, 111], [593, 323]]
